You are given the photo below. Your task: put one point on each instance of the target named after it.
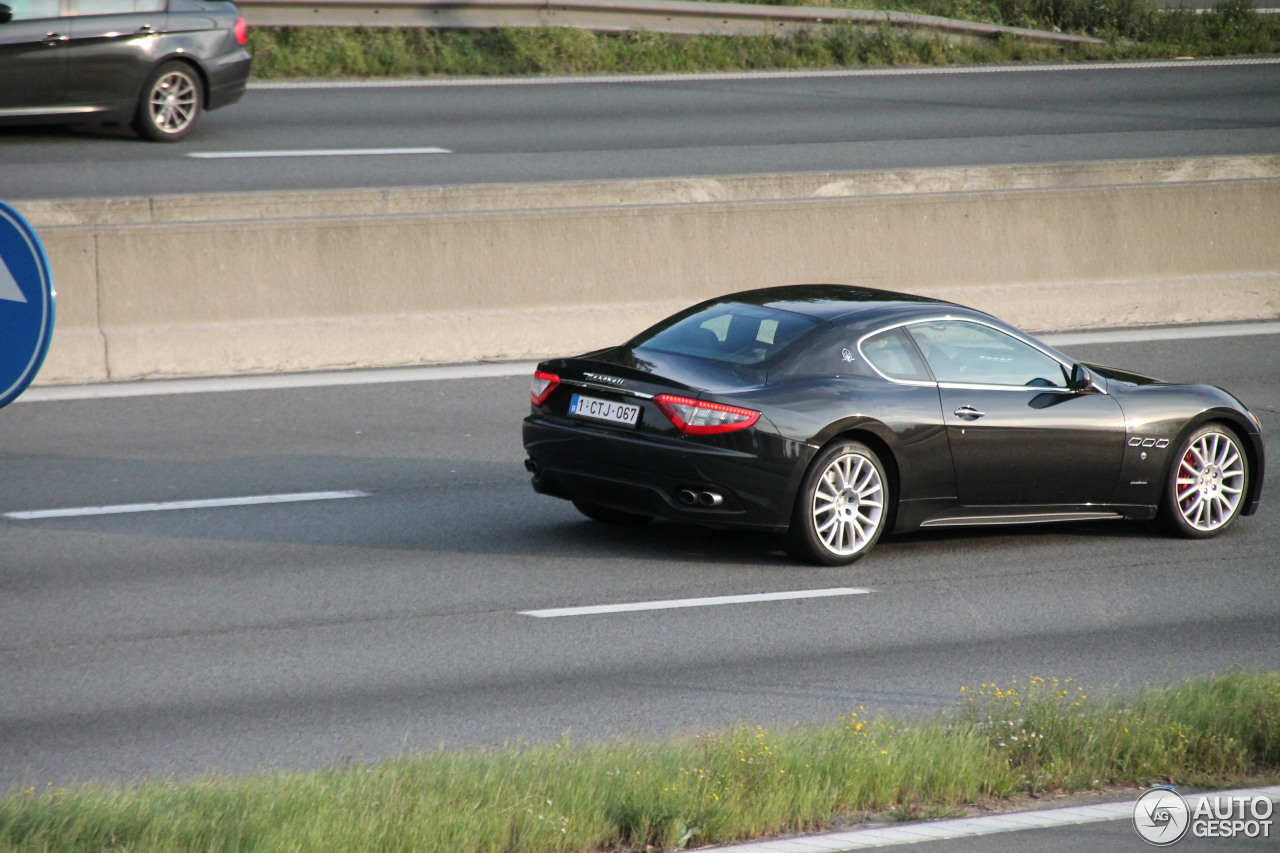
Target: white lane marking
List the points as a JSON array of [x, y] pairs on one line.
[[485, 370], [118, 509], [436, 82], [942, 830], [277, 382], [676, 603], [315, 152], [1159, 333]]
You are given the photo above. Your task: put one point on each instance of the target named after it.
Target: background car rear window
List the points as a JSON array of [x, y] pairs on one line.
[[29, 10], [729, 332], [117, 7]]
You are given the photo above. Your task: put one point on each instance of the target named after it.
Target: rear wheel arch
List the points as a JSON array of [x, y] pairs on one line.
[[845, 500], [146, 124], [866, 433], [889, 460]]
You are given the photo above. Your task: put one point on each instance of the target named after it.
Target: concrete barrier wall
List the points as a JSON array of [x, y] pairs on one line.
[[234, 296]]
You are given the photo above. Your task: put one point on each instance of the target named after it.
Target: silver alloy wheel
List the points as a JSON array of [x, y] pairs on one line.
[[1210, 481], [174, 101], [848, 504]]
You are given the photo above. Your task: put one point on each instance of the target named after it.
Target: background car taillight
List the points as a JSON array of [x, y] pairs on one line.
[[700, 418], [242, 31], [542, 386]]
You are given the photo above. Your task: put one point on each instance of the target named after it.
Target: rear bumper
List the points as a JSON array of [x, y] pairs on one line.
[[580, 462], [228, 77]]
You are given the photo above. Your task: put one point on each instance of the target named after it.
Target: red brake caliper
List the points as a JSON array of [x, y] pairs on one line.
[[1188, 462]]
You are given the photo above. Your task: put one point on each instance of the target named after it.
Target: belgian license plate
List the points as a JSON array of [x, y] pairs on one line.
[[604, 410]]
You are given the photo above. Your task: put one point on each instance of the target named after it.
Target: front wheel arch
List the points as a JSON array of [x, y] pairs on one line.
[[1178, 508], [1244, 431]]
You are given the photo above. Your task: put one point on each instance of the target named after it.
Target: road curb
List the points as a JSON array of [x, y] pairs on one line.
[[942, 830]]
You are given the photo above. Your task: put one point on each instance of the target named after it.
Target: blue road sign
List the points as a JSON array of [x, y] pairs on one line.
[[26, 304]]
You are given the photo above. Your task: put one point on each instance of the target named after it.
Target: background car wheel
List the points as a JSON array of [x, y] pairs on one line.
[[842, 506], [609, 515], [170, 103], [1206, 484]]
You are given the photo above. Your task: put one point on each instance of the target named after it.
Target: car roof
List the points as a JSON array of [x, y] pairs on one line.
[[832, 302]]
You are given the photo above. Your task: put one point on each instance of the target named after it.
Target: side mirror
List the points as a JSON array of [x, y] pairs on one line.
[[6, 14], [1081, 379]]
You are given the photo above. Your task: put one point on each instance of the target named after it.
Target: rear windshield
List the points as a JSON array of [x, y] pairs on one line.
[[727, 332]]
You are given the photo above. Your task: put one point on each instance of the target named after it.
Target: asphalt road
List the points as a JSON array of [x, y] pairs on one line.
[[299, 634], [559, 130]]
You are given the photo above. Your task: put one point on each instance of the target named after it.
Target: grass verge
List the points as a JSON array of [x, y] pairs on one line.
[[1134, 29], [1029, 736]]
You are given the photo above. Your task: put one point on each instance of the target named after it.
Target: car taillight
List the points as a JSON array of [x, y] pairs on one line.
[[700, 418], [542, 386], [242, 31]]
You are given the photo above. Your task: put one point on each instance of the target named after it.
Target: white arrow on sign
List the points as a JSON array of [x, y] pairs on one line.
[[9, 289]]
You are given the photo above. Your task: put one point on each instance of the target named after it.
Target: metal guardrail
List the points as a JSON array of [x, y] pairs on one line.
[[684, 17]]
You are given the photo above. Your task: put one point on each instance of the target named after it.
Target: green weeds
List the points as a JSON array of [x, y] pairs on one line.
[[345, 52], [1201, 732], [1026, 737], [1132, 29]]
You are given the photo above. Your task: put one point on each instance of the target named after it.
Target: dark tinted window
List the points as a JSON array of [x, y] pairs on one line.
[[728, 332], [893, 354]]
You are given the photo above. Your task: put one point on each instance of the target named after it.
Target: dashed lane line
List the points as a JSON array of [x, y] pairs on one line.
[[673, 604], [315, 152], [120, 509]]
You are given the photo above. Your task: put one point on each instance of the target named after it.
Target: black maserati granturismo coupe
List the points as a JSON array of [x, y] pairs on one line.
[[833, 414]]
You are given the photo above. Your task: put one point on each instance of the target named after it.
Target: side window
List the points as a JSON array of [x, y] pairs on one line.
[[972, 353], [893, 354], [30, 10]]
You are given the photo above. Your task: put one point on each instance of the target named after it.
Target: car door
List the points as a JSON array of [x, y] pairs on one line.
[[1019, 436], [33, 56], [112, 47]]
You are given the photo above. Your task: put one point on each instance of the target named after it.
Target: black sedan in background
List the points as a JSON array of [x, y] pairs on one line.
[[834, 414], [155, 64]]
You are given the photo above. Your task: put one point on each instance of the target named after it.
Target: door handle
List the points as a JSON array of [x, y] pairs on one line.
[[968, 413], [54, 39]]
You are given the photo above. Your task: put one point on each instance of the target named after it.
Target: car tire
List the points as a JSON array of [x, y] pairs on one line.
[[171, 102], [609, 515], [1207, 483], [842, 506]]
